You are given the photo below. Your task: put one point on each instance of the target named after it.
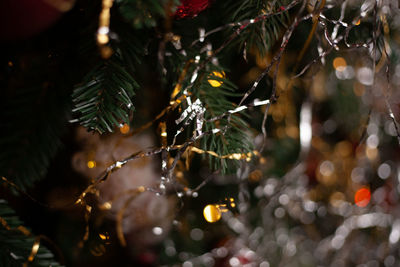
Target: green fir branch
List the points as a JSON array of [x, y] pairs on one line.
[[261, 35], [104, 100], [16, 246], [145, 13], [234, 138]]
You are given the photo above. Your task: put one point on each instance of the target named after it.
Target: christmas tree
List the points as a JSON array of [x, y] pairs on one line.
[[199, 133]]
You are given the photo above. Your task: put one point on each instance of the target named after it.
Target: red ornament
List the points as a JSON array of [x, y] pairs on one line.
[[191, 8], [21, 19]]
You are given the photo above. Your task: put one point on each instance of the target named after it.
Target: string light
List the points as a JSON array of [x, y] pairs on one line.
[[104, 236], [216, 83], [212, 213], [232, 202]]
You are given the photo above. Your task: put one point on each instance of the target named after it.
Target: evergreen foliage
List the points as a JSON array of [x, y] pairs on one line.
[[261, 35], [16, 246], [234, 137], [104, 100], [144, 13]]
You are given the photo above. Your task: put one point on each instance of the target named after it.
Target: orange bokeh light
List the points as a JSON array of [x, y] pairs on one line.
[[339, 62], [124, 129], [362, 197]]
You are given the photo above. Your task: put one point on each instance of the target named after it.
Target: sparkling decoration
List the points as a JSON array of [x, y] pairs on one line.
[[362, 197], [216, 83], [191, 8], [212, 213]]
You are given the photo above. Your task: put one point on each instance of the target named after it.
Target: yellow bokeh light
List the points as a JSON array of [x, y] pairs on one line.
[[103, 236], [106, 206], [263, 160], [106, 52], [337, 199], [212, 213], [292, 131], [215, 83], [124, 129], [358, 22], [102, 38], [339, 62], [343, 149], [371, 152], [91, 164]]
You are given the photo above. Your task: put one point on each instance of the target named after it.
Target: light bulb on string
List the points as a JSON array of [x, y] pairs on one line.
[[216, 83], [213, 212]]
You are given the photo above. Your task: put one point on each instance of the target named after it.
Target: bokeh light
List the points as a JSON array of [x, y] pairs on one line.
[[91, 164], [362, 197], [339, 63], [212, 213], [124, 129]]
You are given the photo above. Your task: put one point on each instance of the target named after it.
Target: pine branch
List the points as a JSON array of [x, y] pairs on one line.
[[260, 35], [16, 243], [144, 13], [104, 100], [234, 138]]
